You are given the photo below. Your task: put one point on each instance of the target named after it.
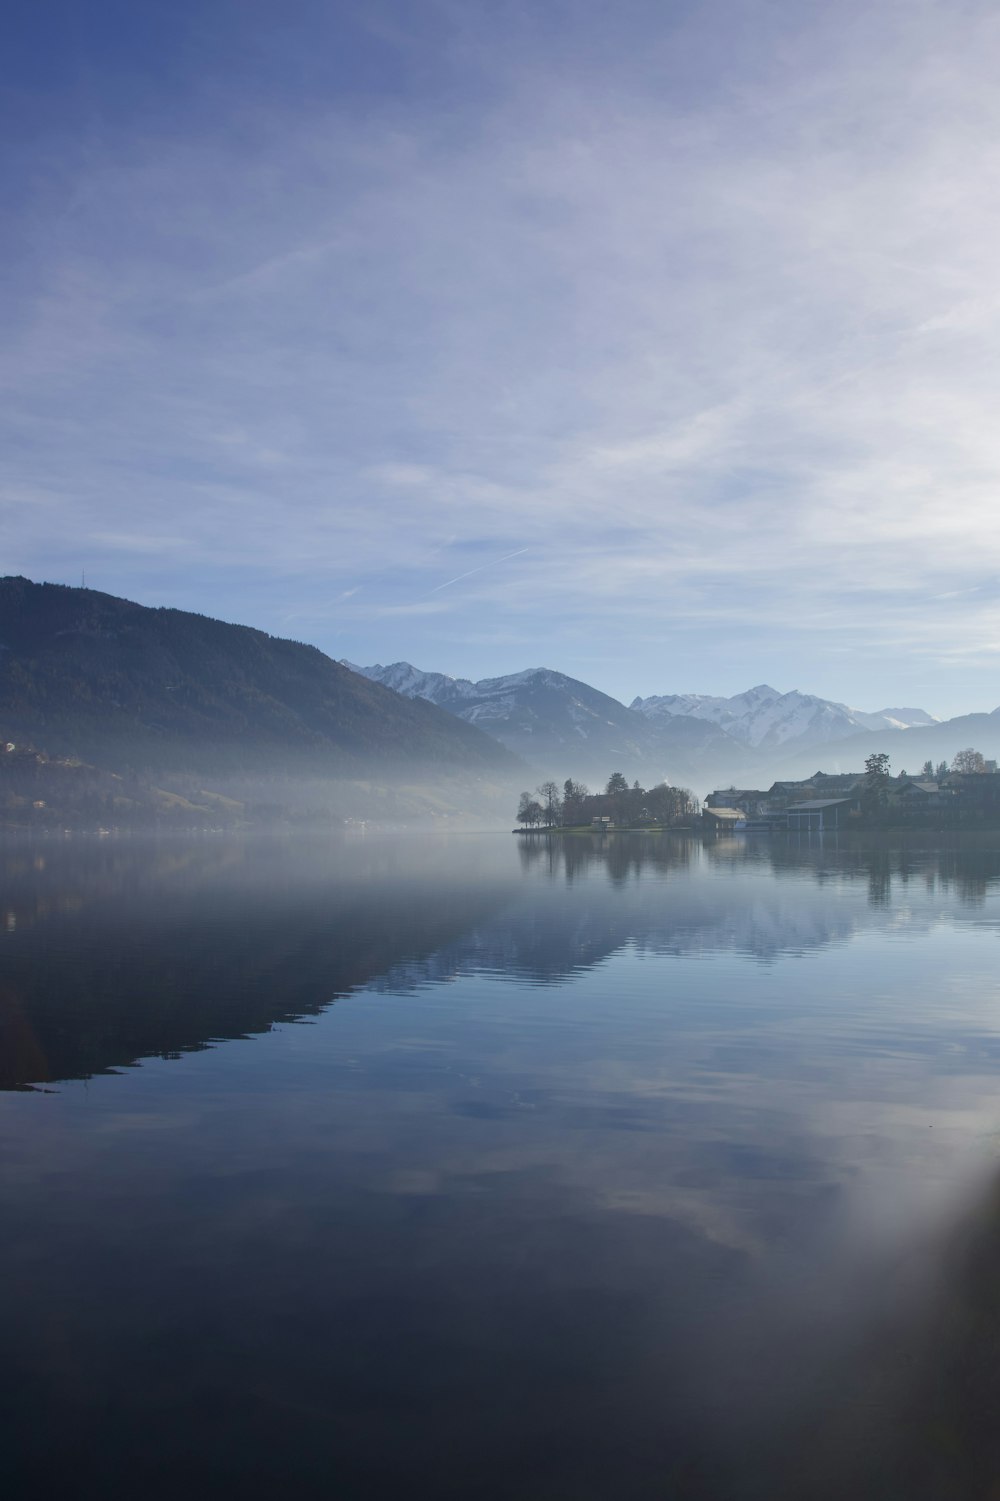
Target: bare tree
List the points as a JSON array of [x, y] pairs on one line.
[[549, 794], [969, 761]]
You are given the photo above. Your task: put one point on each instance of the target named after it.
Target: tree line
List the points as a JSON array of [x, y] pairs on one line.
[[635, 806], [968, 762]]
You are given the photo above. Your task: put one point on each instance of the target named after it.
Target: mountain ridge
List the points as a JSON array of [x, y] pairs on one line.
[[564, 727], [763, 716], [137, 690], [155, 691], [761, 736]]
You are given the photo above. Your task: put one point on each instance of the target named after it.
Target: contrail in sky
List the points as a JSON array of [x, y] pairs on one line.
[[491, 564]]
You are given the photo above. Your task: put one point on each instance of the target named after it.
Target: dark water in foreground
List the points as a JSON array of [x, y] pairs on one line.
[[468, 1168]]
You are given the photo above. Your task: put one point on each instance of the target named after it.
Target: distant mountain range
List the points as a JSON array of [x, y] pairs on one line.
[[907, 749], [764, 717], [196, 706], [563, 727]]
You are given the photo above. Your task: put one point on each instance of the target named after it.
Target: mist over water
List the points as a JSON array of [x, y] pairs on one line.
[[479, 1166]]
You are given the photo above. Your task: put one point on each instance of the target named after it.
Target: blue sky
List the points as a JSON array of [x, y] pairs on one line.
[[654, 342]]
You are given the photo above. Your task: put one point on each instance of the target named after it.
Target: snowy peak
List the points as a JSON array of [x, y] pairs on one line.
[[766, 719], [535, 691], [895, 719], [564, 726], [725, 712], [411, 682]]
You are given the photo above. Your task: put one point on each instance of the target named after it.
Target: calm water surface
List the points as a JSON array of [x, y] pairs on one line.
[[476, 1167]]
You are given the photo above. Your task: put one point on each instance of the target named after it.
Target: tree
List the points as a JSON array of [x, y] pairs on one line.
[[616, 783], [941, 771], [574, 794], [529, 811], [928, 769], [669, 805], [969, 761], [549, 794], [874, 800]]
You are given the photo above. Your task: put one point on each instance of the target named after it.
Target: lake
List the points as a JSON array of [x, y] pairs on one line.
[[473, 1166]]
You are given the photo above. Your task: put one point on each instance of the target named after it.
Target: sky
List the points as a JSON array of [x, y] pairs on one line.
[[653, 342]]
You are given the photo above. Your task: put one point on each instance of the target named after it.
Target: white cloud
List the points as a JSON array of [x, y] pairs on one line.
[[719, 350]]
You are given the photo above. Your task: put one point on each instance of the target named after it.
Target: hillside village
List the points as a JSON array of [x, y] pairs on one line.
[[42, 792]]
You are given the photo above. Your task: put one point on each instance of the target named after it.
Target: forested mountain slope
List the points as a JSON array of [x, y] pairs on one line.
[[139, 689]]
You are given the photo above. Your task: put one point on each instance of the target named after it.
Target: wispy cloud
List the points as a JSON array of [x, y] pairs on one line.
[[482, 567], [707, 338]]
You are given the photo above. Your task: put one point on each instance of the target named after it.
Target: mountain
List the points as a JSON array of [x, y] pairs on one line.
[[896, 719], [766, 719], [907, 749], [563, 727], [156, 691]]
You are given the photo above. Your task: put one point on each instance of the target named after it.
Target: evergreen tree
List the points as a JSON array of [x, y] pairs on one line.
[[874, 799]]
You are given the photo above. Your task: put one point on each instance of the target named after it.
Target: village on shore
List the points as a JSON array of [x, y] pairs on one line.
[[964, 794]]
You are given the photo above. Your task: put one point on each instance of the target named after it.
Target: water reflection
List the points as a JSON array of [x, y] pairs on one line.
[[970, 868], [117, 951], [618, 1168]]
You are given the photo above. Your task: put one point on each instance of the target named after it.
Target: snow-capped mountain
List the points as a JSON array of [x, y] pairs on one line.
[[412, 683], [566, 728], [765, 719], [563, 727], [896, 719]]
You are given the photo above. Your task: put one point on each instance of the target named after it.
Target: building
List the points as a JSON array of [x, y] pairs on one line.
[[724, 820], [752, 801], [971, 796], [913, 797], [818, 814]]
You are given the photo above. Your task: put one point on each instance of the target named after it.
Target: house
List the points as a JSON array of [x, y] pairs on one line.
[[818, 814], [971, 795], [822, 784], [724, 820], [752, 801], [912, 796]]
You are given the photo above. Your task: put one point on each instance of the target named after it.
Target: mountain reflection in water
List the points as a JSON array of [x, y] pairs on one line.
[[604, 1167]]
